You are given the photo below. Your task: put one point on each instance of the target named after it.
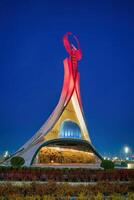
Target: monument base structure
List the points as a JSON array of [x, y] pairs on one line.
[[64, 138]]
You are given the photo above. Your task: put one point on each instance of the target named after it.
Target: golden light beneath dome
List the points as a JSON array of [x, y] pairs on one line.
[[57, 155]]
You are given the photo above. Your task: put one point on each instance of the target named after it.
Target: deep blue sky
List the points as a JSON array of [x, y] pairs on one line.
[[31, 69]]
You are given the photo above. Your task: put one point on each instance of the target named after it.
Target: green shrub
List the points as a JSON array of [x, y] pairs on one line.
[[107, 164], [130, 196], [99, 197], [17, 161], [124, 164], [82, 196]]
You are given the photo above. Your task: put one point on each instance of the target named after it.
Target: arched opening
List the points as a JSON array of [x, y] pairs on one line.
[[65, 151], [70, 129]]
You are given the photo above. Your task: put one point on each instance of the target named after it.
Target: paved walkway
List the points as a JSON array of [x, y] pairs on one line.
[[90, 166], [20, 183]]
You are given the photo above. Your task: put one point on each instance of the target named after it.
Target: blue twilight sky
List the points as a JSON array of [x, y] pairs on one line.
[[31, 68]]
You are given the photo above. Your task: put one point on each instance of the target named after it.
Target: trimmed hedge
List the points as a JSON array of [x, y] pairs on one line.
[[66, 175], [107, 164], [17, 161]]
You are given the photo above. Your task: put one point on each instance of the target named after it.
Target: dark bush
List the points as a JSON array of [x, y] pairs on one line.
[[124, 164], [17, 161], [107, 164]]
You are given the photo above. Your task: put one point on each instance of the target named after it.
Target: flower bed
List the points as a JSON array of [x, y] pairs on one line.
[[81, 196], [51, 190]]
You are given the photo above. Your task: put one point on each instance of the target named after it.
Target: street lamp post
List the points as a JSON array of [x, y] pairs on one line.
[[126, 151]]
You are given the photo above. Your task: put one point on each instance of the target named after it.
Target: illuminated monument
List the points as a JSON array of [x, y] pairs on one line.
[[63, 138]]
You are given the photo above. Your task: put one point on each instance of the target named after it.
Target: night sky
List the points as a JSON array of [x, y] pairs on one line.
[[31, 68]]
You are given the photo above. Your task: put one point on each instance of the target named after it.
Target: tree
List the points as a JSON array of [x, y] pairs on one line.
[[107, 164], [17, 161]]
